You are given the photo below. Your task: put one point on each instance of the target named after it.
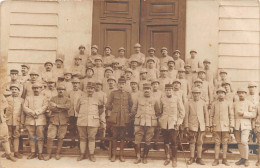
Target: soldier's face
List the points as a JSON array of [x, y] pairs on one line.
[[61, 92], [121, 85], [150, 64], [108, 73], [176, 55], [193, 54], [14, 76], [241, 95], [36, 90], [98, 63], [134, 64], [227, 87], [107, 51], [143, 76], [188, 69], [34, 77], [155, 85], [252, 89], [82, 50], [147, 92], [51, 85], [164, 52], [111, 83], [115, 65], [151, 52], [94, 51], [121, 53], [181, 74], [134, 86], [15, 91], [89, 73], [59, 64], [198, 84], [98, 87], [77, 61], [201, 75], [75, 85], [67, 76], [196, 95], [223, 75], [171, 65], [176, 85], [206, 65], [221, 94], [48, 67], [163, 73], [128, 74], [168, 92], [24, 70], [137, 49], [90, 90]]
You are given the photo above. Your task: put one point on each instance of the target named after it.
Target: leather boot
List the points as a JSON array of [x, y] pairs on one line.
[[92, 158], [3, 155], [215, 163], [114, 146], [49, 149], [40, 148], [174, 156], [59, 146], [32, 155], [167, 153], [138, 153], [240, 162], [16, 149], [225, 162], [82, 146], [217, 149], [246, 163], [145, 154], [18, 155], [200, 161], [121, 155], [192, 160], [10, 157]]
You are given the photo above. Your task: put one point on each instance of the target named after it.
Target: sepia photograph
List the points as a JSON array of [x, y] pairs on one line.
[[129, 83]]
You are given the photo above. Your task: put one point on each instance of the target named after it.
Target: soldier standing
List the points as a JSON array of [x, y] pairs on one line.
[[98, 69], [59, 119], [171, 117], [221, 122], [140, 57], [94, 53], [34, 108], [151, 55], [108, 57], [15, 118], [51, 90], [78, 70], [194, 62], [27, 86], [256, 126], [88, 78], [48, 73], [165, 58], [146, 110], [14, 80], [179, 63], [67, 81], [120, 104], [209, 73], [121, 59], [196, 122], [89, 109], [152, 71], [172, 72], [185, 86], [25, 76], [164, 79], [244, 112], [128, 77], [143, 78], [58, 68]]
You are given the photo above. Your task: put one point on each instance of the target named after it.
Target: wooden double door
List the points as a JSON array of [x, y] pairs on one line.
[[152, 23]]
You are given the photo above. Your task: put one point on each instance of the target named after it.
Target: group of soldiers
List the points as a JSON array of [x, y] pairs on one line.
[[139, 97]]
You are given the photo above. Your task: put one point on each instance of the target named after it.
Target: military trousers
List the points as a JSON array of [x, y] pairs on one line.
[[221, 137], [72, 127], [242, 138], [87, 133], [144, 131], [57, 130], [170, 136], [14, 131], [36, 133], [196, 137], [118, 133], [4, 136]]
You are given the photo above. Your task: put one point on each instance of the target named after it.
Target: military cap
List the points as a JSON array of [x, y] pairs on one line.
[[147, 85], [177, 51], [137, 45], [36, 85], [25, 65], [115, 61], [143, 70], [153, 49], [81, 46], [7, 93], [226, 82], [241, 90], [201, 70], [77, 57], [33, 72], [15, 86], [155, 81], [90, 84], [196, 90], [168, 86], [171, 60], [221, 89], [177, 81], [98, 83], [61, 78], [198, 80], [134, 60], [75, 80], [61, 87], [252, 84], [111, 78], [14, 71], [206, 60], [121, 80], [108, 47], [121, 48], [109, 68], [150, 59], [134, 81], [222, 71], [89, 68], [67, 71], [51, 81], [181, 70], [59, 59], [94, 46], [163, 68], [128, 70], [48, 62], [192, 50], [98, 58], [164, 48], [187, 65]]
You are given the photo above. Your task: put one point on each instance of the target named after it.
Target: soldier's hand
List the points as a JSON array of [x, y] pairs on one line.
[[231, 130]]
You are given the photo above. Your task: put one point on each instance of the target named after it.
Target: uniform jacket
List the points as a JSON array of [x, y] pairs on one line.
[[172, 74], [164, 61], [195, 63], [196, 115], [14, 111], [179, 63], [74, 97], [120, 104], [140, 57], [156, 59], [27, 89], [146, 110], [256, 121], [221, 116], [180, 94], [46, 75], [49, 93], [8, 84], [243, 122], [84, 83], [88, 111], [35, 105], [98, 73], [79, 70], [69, 87], [59, 114], [3, 106], [185, 86], [108, 60], [172, 112], [164, 81]]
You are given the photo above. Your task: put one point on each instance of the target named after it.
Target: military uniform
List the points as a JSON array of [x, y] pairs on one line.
[[137, 56], [179, 63], [164, 80], [7, 85], [58, 71], [47, 74], [146, 110], [156, 59], [78, 70], [171, 117], [256, 126], [194, 62]]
